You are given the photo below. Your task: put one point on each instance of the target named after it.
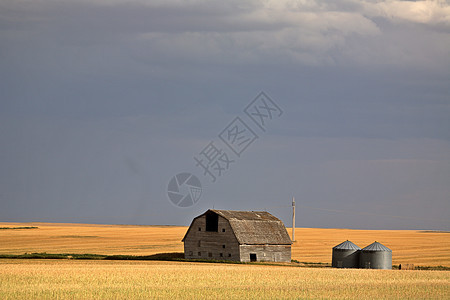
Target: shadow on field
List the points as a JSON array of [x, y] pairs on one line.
[[44, 255], [179, 256], [157, 256]]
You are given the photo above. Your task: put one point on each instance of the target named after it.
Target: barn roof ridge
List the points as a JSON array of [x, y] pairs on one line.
[[254, 227], [246, 215]]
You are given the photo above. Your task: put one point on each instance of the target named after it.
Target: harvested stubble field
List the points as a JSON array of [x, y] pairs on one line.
[[75, 279], [422, 248]]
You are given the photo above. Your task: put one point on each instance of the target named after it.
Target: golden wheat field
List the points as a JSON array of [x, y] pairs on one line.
[[312, 245], [74, 279], [103, 279]]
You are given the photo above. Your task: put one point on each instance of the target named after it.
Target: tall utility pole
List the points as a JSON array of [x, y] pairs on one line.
[[293, 219]]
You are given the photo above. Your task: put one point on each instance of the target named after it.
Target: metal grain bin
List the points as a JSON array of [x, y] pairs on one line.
[[375, 256], [345, 255]]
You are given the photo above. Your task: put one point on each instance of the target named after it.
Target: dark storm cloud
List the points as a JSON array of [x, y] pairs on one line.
[[103, 101]]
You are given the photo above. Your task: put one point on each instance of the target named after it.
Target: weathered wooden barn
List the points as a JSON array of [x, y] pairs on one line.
[[238, 236]]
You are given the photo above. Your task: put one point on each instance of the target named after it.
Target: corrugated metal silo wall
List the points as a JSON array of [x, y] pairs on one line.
[[345, 258], [375, 260]]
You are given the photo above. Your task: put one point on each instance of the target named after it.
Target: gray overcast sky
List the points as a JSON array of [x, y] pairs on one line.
[[103, 101]]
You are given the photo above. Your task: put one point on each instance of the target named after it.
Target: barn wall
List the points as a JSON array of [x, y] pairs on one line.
[[211, 243], [276, 253]]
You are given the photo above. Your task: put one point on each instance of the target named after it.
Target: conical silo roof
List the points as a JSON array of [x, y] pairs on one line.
[[376, 247], [347, 245]]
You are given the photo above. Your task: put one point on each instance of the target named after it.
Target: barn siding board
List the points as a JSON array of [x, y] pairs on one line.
[[275, 245], [211, 242]]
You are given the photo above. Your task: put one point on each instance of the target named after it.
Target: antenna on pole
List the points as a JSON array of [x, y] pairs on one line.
[[293, 219]]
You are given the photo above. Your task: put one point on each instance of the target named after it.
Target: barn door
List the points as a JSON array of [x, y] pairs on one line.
[[252, 256], [277, 257]]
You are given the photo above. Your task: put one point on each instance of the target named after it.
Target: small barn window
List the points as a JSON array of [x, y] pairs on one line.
[[199, 253], [252, 256], [212, 222], [229, 254], [199, 244], [199, 229], [221, 254], [223, 229], [223, 246], [210, 254]]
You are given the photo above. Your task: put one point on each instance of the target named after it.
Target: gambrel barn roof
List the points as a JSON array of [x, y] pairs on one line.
[[253, 227]]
